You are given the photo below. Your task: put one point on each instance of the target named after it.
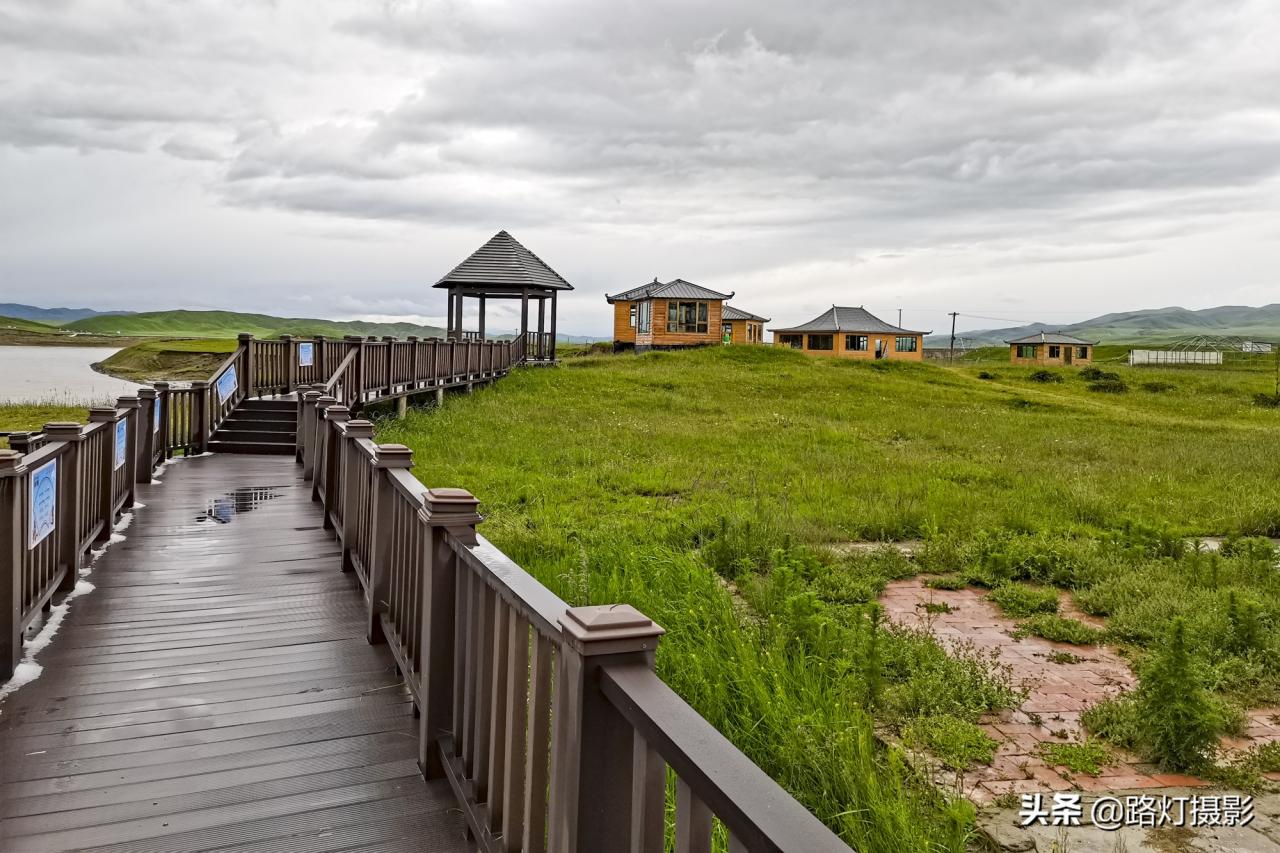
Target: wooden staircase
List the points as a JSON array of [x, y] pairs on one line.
[[258, 426]]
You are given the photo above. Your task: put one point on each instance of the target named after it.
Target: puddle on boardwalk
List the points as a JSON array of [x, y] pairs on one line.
[[224, 508]]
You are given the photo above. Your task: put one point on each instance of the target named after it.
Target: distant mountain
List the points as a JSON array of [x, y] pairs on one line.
[[227, 324], [1150, 325], [50, 316]]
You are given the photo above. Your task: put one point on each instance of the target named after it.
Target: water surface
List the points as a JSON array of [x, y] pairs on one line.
[[58, 376]]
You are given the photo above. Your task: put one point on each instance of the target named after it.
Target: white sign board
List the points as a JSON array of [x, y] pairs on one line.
[[306, 355], [227, 384], [44, 501], [122, 442]]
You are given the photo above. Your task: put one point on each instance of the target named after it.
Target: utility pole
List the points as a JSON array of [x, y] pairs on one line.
[[899, 318], [951, 355]]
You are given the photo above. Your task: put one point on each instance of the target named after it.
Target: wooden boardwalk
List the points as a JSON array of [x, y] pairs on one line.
[[216, 691]]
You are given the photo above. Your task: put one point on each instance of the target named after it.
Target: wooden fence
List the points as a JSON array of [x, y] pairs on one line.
[[548, 721]]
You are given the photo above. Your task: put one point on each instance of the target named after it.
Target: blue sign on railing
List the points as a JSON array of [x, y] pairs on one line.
[[122, 442], [44, 501], [227, 384], [155, 408], [306, 355]]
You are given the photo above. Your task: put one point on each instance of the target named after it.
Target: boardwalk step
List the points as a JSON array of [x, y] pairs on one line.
[[240, 421], [218, 445]]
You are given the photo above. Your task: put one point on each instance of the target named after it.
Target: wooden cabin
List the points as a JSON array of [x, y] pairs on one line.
[[845, 332], [1051, 348], [667, 315], [741, 327]]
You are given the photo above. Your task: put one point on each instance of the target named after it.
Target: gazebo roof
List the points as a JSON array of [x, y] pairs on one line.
[[504, 264]]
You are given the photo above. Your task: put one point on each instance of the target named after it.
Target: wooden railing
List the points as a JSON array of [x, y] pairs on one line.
[[548, 721], [57, 500]]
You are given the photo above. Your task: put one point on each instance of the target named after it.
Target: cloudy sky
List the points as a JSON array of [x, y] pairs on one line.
[[1035, 160]]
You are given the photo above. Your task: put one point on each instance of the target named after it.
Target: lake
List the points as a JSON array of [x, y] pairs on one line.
[[58, 375]]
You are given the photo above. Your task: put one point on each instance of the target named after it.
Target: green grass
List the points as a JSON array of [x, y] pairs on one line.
[[17, 324], [228, 324], [1018, 600], [661, 479], [958, 743], [185, 359], [1088, 756], [24, 417], [1060, 629]]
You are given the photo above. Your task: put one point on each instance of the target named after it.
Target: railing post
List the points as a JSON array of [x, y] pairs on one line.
[[319, 444], [21, 441], [290, 363], [12, 545], [132, 406], [306, 433], [69, 486], [350, 462], [335, 414], [250, 379], [454, 512], [356, 371], [593, 764], [200, 414], [146, 455], [382, 495], [103, 500], [319, 367], [162, 400], [390, 342]]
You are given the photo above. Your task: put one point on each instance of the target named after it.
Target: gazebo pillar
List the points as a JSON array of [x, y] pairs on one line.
[[482, 317], [524, 319], [542, 310], [553, 325], [448, 328]]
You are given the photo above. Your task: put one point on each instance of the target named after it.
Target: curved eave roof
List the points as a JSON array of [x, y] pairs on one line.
[[1053, 338], [849, 320], [675, 289], [732, 313]]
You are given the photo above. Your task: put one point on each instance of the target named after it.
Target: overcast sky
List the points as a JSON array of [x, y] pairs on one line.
[[1010, 160]]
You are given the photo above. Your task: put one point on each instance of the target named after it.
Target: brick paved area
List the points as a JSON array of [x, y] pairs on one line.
[[1059, 690]]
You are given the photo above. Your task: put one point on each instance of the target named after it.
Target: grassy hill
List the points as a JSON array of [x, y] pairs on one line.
[[1152, 325], [17, 324], [706, 488], [228, 324]]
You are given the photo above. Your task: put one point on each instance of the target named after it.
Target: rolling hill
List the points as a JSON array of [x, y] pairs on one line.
[[1151, 325], [49, 316], [227, 324]]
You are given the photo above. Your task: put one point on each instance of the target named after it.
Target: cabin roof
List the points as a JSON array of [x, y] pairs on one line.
[[732, 313], [840, 318], [1052, 338], [677, 288], [503, 263]]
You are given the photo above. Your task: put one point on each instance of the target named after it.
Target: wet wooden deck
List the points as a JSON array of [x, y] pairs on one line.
[[216, 691]]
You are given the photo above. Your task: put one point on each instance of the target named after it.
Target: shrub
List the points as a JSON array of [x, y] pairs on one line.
[[957, 743], [1182, 723], [1045, 376], [1060, 629], [1109, 386], [1158, 387], [1116, 720], [1019, 600], [986, 374], [951, 582], [1091, 374], [934, 607], [1267, 401], [1087, 756]]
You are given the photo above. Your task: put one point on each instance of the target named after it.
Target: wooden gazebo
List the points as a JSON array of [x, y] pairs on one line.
[[504, 269]]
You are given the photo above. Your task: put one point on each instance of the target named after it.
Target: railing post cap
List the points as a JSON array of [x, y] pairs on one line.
[[147, 393], [373, 338], [286, 337], [160, 386], [11, 464], [63, 431], [388, 338], [244, 336], [337, 412], [413, 338], [311, 396], [200, 383], [326, 401], [128, 403], [450, 508], [98, 414], [355, 339], [610, 629], [359, 428], [393, 456]]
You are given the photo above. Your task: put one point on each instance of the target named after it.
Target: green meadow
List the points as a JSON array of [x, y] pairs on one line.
[[712, 490]]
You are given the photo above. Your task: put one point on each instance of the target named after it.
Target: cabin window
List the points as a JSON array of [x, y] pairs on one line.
[[726, 328], [905, 344], [793, 341], [644, 317], [1055, 352], [689, 318], [858, 343], [1026, 350], [1082, 352], [822, 342], [633, 315]]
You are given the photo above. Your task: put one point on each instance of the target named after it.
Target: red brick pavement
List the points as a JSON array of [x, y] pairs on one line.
[[1058, 691]]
